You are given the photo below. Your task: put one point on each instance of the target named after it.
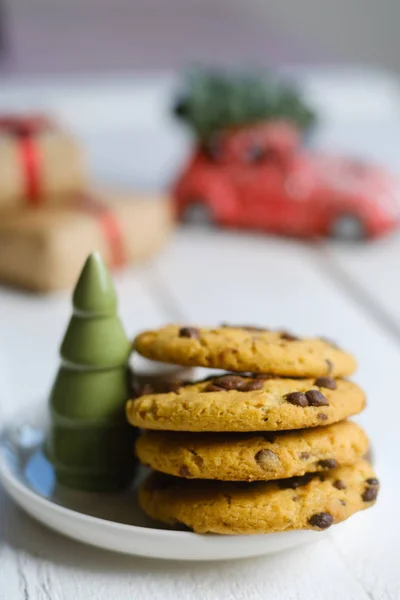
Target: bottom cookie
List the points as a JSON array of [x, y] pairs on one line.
[[313, 501]]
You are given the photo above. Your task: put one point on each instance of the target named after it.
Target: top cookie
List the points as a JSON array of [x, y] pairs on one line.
[[245, 349]]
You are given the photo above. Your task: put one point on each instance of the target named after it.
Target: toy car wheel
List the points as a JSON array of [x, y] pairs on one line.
[[348, 227], [197, 212]]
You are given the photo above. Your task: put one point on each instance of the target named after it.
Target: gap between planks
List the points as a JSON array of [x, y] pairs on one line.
[[360, 293], [326, 261]]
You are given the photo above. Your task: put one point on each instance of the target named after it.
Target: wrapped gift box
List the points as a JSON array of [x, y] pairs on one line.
[[39, 162], [43, 249]]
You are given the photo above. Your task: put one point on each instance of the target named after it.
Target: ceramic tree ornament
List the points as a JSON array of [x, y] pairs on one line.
[[90, 443]]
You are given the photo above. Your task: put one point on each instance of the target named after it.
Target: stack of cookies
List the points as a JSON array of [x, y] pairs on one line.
[[263, 446]]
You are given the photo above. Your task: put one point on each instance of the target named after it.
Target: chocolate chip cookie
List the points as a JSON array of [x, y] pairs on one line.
[[244, 403], [252, 457], [313, 501], [246, 349]]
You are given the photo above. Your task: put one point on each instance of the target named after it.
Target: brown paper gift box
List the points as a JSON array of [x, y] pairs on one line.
[[43, 249], [39, 162]]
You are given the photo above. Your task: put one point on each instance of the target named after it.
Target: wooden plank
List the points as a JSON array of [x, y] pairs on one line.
[[371, 271], [367, 543], [11, 580], [51, 567], [23, 572]]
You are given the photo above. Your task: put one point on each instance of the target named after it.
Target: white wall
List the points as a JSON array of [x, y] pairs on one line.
[[67, 35], [346, 30]]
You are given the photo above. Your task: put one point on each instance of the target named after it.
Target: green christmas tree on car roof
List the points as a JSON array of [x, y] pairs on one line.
[[216, 99], [90, 442]]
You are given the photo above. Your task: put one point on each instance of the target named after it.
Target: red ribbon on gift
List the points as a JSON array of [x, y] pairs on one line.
[[24, 129], [109, 225]]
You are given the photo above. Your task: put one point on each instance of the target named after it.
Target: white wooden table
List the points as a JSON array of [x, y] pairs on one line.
[[348, 293]]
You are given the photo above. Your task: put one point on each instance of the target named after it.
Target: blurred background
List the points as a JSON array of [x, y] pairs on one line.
[[110, 73], [89, 40], [107, 35], [108, 69]]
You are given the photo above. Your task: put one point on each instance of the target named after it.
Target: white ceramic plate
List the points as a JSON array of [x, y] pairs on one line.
[[114, 521]]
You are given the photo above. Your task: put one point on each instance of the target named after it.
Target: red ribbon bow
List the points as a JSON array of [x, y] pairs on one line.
[[24, 129]]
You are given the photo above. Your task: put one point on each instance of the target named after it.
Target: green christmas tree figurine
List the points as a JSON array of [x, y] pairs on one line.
[[90, 442], [218, 99]]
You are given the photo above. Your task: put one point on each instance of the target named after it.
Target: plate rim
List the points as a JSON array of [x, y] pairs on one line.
[[9, 479], [200, 547]]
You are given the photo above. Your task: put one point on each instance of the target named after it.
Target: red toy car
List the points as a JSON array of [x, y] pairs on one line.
[[259, 177]]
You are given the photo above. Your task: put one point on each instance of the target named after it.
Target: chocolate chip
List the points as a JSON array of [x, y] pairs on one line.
[[295, 482], [330, 366], [316, 398], [253, 384], [305, 455], [189, 332], [322, 416], [184, 471], [156, 387], [326, 382], [322, 520], [372, 481], [198, 460], [234, 382], [212, 388], [267, 460], [339, 484], [289, 337], [297, 398], [342, 502], [370, 494], [321, 477], [310, 398], [328, 463], [229, 382]]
